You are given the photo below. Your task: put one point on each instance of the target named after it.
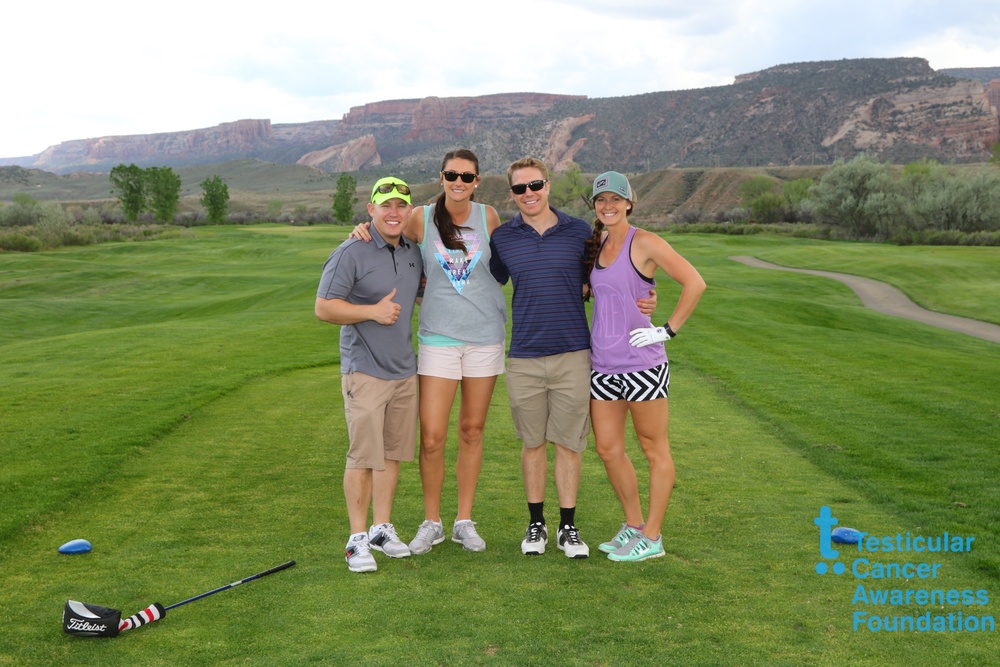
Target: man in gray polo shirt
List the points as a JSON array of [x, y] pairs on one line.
[[370, 290]]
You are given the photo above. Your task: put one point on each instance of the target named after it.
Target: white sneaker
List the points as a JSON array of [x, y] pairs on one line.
[[359, 554], [383, 538], [535, 539], [465, 534], [429, 534], [568, 540]]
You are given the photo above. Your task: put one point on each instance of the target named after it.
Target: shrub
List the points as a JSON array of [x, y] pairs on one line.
[[19, 242]]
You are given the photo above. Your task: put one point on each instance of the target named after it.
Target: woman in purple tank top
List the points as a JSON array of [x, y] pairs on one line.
[[631, 374]]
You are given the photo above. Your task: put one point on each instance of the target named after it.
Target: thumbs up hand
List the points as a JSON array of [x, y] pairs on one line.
[[386, 311]]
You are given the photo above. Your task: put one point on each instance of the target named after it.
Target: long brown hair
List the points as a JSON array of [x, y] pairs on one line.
[[442, 218], [593, 246]]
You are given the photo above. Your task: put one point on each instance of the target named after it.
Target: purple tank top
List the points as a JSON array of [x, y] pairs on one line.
[[616, 289]]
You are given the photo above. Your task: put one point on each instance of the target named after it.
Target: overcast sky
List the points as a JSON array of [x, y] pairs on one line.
[[76, 70]]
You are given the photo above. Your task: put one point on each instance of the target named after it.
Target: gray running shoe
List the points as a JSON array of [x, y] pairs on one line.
[[466, 535], [639, 548], [619, 540], [383, 538], [359, 554], [429, 534], [535, 539], [568, 540]]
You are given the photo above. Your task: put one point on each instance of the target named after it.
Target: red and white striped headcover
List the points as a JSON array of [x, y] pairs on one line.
[[153, 612]]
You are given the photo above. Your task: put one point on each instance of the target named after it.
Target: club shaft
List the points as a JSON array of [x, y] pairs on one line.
[[278, 568]]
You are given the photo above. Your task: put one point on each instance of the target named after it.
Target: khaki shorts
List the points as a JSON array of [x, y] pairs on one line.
[[381, 419], [550, 399], [454, 362]]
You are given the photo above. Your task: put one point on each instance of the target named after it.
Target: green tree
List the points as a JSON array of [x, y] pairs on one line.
[[128, 185], [754, 187], [796, 191], [163, 188], [215, 199], [768, 207], [345, 198], [569, 188], [857, 196], [23, 212]]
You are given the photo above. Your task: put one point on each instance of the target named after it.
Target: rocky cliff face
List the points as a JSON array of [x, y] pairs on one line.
[[355, 155], [954, 120], [237, 138], [442, 119], [802, 113], [227, 141]]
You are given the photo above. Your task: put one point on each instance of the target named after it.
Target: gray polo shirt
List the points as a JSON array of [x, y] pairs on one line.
[[363, 273]]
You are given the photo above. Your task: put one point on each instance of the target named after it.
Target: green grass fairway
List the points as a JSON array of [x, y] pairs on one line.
[[176, 403]]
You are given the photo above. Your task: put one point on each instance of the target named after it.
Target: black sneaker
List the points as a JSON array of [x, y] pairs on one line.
[[535, 539]]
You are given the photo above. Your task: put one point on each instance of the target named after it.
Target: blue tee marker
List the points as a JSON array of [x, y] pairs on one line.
[[75, 547], [845, 535]]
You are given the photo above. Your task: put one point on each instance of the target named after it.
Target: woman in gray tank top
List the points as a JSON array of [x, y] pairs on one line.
[[461, 341]]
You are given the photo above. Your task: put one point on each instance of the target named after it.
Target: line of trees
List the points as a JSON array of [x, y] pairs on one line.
[[158, 190], [863, 199]]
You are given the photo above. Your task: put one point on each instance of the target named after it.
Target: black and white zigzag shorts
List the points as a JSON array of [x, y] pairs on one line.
[[647, 385]]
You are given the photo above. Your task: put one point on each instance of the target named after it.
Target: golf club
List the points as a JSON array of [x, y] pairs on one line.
[[89, 620]]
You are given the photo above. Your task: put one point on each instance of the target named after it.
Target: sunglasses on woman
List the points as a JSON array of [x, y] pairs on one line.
[[520, 188], [467, 176]]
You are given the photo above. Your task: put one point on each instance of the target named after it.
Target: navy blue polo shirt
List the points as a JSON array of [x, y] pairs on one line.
[[548, 273]]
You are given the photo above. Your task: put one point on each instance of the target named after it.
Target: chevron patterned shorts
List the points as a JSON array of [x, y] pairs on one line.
[[647, 385]]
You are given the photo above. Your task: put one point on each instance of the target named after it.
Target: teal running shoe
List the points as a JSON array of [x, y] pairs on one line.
[[638, 548], [618, 541]]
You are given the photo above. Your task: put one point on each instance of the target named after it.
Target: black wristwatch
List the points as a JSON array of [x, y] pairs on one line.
[[670, 332]]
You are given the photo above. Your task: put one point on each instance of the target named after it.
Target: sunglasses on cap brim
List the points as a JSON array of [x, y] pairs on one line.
[[534, 186], [386, 188]]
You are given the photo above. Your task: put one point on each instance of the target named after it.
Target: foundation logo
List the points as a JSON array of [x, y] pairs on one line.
[[888, 590], [826, 521]]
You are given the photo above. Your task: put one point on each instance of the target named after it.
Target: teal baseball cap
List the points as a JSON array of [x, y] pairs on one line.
[[612, 181]]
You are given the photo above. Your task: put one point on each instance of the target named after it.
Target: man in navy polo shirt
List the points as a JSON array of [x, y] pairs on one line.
[[370, 290], [542, 251]]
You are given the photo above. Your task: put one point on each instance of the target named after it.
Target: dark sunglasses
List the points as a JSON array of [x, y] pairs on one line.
[[386, 188], [467, 176], [520, 188]]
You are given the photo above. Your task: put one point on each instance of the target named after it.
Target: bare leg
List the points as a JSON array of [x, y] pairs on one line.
[[358, 494], [535, 468], [567, 475], [651, 419], [383, 492], [609, 419], [437, 395], [476, 395]]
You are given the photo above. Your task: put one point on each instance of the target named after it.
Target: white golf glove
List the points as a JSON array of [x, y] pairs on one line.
[[649, 335]]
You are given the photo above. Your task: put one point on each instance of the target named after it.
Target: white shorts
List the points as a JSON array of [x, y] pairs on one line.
[[454, 362]]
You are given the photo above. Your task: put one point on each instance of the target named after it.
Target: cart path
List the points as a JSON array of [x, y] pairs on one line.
[[884, 298]]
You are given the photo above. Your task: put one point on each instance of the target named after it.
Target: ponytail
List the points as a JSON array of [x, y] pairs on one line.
[[593, 248]]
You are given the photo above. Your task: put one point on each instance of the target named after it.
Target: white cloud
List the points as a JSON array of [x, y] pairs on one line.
[[103, 68]]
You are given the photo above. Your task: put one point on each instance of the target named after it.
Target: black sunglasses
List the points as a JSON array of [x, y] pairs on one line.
[[467, 176], [535, 186], [386, 188]]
